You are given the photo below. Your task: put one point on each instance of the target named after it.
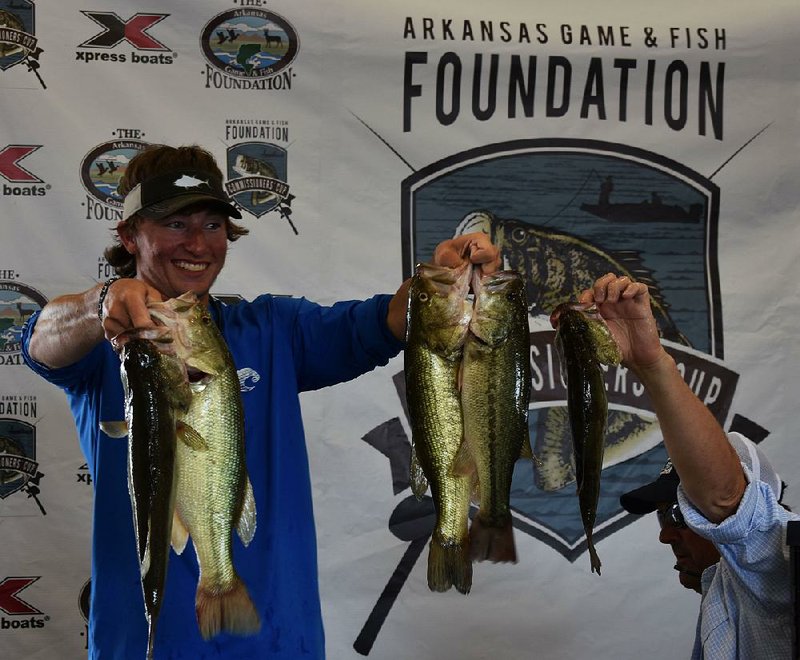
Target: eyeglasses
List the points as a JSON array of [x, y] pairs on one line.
[[671, 516]]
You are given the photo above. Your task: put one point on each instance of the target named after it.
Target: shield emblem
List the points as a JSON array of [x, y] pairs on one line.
[[257, 176], [564, 212], [18, 40], [17, 455]]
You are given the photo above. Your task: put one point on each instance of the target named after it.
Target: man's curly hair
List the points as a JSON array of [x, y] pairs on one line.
[[151, 161]]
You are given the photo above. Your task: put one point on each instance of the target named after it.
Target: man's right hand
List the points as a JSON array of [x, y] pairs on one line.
[[625, 306], [125, 307]]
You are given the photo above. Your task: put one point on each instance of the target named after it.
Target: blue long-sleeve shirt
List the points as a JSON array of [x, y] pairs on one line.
[[280, 346]]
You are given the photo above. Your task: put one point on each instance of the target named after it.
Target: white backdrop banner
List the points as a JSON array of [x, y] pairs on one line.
[[355, 135]]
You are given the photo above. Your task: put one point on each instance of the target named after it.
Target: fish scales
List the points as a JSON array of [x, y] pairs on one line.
[[583, 343], [496, 383], [438, 319], [213, 493]]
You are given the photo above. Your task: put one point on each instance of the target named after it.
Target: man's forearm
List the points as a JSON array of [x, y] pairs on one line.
[[710, 471], [67, 329]]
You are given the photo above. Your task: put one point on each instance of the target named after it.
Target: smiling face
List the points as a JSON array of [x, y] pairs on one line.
[[182, 252]]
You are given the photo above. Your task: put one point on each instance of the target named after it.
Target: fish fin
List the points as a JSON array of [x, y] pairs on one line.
[[525, 451], [231, 611], [475, 493], [449, 566], [180, 534], [495, 544], [246, 525], [144, 564], [190, 437], [419, 482], [463, 462], [114, 429]]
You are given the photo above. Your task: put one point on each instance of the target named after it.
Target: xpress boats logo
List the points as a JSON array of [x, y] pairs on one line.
[[18, 612], [133, 31], [19, 181], [18, 42], [562, 212], [249, 49]]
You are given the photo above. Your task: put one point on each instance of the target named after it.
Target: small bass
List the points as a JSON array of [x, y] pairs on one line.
[[584, 342], [156, 394]]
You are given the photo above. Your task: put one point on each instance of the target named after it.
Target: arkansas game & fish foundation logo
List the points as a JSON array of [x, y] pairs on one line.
[[562, 213], [101, 170], [19, 470], [17, 303], [256, 179], [249, 49], [18, 42]]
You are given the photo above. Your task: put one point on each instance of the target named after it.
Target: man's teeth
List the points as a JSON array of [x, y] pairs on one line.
[[189, 266]]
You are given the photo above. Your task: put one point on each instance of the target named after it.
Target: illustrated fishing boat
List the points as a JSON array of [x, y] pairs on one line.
[[648, 210]]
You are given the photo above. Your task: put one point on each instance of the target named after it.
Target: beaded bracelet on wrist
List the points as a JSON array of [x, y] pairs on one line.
[[101, 298]]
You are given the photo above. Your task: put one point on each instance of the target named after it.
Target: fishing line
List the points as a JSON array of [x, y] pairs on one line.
[[386, 144], [735, 153], [572, 199]]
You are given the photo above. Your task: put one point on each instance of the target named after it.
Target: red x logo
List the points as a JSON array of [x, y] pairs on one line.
[[10, 603], [9, 163], [116, 30]]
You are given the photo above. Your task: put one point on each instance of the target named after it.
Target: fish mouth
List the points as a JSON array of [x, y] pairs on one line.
[[588, 308], [198, 379]]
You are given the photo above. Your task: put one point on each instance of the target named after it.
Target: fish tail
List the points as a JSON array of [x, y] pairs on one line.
[[449, 566], [593, 556], [493, 543], [230, 611]]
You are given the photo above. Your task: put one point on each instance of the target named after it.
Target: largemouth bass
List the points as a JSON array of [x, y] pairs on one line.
[[557, 267], [584, 342], [213, 494], [156, 394], [495, 393], [437, 325]]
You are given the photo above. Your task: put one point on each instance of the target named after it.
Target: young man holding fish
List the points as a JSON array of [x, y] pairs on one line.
[[173, 239], [723, 520]]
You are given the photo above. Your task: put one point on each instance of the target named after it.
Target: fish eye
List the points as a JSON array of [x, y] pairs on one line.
[[423, 297], [518, 235], [206, 319]]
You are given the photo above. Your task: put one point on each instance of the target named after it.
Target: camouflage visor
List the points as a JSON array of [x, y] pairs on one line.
[[165, 194]]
